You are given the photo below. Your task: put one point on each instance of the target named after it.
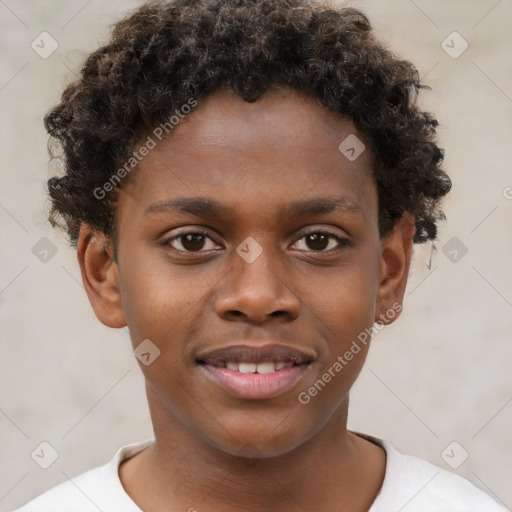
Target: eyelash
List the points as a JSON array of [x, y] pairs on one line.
[[343, 242]]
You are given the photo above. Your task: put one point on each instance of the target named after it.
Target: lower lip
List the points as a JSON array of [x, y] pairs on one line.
[[256, 386]]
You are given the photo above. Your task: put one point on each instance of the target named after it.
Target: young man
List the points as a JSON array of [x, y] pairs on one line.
[[244, 182]]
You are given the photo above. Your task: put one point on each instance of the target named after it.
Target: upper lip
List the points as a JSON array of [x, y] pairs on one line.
[[250, 353]]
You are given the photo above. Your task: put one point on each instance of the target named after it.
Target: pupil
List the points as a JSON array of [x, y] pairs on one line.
[[317, 241], [192, 242]]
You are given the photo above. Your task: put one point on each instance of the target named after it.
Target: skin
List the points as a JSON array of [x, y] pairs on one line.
[[214, 451]]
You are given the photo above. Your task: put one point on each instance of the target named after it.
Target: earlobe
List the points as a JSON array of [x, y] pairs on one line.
[[100, 276], [394, 269]]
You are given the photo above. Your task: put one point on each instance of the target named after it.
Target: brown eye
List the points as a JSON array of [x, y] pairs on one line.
[[191, 242], [317, 241], [321, 241]]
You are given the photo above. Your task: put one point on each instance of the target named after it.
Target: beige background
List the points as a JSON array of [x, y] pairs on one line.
[[440, 374]]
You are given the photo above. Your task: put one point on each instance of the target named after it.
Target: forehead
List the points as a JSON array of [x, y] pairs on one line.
[[281, 118], [284, 146]]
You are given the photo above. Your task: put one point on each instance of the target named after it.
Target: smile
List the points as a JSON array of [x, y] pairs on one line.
[[255, 372], [261, 368]]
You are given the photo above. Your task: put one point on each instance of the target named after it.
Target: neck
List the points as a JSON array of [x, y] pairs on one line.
[[333, 470]]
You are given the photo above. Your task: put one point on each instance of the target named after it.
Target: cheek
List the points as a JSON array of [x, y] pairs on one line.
[[346, 300], [345, 313], [157, 303]]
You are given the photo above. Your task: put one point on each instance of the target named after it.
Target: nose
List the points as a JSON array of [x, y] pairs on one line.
[[255, 293]]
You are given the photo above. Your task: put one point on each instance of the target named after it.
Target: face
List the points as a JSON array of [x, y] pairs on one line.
[[249, 255]]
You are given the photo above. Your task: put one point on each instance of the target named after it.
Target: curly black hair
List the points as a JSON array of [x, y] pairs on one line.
[[167, 52]]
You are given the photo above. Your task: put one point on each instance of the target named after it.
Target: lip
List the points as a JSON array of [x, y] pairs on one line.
[[255, 386], [251, 353]]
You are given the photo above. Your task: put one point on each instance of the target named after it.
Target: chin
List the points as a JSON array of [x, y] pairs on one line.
[[260, 438]]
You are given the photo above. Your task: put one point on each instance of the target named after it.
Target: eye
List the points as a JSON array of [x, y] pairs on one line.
[[191, 241], [321, 241]]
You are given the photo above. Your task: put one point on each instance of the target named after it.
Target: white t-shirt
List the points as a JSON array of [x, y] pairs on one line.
[[410, 485]]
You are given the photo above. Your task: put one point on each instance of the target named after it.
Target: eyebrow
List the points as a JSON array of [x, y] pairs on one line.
[[206, 207]]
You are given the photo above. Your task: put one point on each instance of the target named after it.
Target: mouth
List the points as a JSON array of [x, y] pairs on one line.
[[255, 372]]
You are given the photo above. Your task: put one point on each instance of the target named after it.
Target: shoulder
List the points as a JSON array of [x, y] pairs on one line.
[[416, 485], [97, 489]]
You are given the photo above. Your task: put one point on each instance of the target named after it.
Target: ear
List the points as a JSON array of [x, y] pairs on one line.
[[394, 269], [100, 275]]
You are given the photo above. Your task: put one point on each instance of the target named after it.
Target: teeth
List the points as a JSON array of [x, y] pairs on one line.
[[267, 367], [261, 368], [247, 367]]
